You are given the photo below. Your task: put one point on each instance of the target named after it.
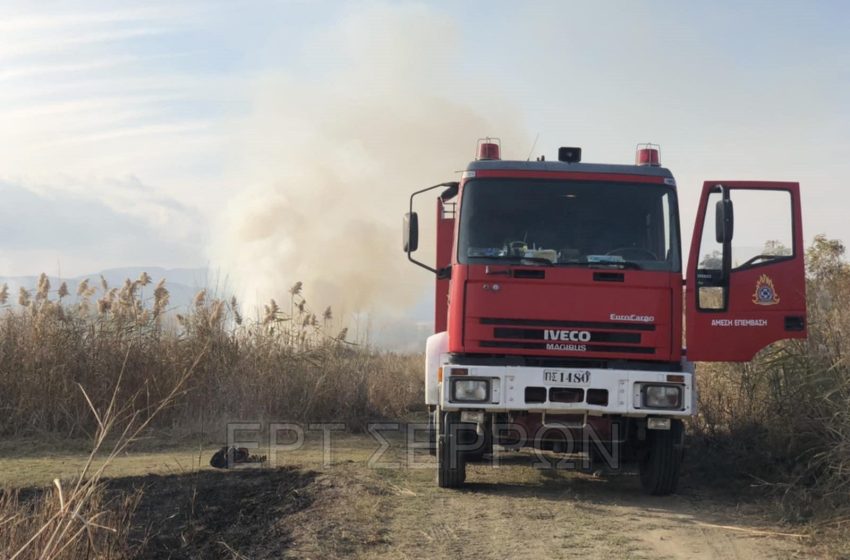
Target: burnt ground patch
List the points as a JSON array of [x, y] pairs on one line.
[[215, 514]]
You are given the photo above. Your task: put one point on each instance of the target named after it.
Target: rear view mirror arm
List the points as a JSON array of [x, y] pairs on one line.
[[451, 190]]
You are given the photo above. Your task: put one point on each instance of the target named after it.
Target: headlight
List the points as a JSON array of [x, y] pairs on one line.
[[470, 390], [662, 396]]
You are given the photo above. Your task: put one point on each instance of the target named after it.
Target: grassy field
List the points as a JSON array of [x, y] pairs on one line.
[[307, 507], [28, 463]]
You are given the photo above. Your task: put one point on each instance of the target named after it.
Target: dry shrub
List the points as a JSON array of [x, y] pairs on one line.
[[782, 421], [22, 519], [289, 365]]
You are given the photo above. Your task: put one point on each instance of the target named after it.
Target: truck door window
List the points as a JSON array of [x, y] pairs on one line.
[[710, 284], [666, 223], [763, 233], [763, 230]]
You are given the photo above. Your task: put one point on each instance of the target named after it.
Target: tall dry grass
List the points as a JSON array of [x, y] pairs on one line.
[[101, 525], [782, 421], [80, 519], [118, 362], [289, 364]]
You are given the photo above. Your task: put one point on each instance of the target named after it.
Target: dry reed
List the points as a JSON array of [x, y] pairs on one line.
[[265, 370], [782, 421], [79, 520]]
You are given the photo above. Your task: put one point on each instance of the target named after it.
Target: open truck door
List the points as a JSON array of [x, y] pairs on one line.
[[746, 285]]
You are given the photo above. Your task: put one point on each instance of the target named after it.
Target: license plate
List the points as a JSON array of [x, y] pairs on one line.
[[566, 377]]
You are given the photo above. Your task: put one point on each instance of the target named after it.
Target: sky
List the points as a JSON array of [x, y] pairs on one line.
[[272, 139]]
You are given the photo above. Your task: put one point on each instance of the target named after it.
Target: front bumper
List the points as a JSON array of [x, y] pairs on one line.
[[594, 392]]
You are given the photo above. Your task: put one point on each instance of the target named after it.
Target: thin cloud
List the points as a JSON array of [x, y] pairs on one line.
[[20, 48], [41, 70], [89, 104], [141, 130], [30, 22]]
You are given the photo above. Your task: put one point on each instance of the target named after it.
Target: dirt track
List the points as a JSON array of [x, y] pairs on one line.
[[349, 509], [517, 512]]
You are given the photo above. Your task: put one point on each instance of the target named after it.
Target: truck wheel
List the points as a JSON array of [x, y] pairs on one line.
[[662, 460], [451, 463]]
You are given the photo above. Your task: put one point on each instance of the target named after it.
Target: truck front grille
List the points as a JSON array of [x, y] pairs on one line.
[[567, 336], [537, 395], [612, 326], [589, 347]]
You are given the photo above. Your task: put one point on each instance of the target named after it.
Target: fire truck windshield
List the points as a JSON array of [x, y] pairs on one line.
[[569, 223]]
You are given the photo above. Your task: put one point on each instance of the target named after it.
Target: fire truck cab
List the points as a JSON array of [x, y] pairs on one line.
[[561, 307]]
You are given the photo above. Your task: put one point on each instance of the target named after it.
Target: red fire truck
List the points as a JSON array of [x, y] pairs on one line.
[[560, 309]]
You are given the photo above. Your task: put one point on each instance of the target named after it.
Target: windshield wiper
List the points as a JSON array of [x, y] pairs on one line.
[[508, 259], [516, 259], [590, 264]]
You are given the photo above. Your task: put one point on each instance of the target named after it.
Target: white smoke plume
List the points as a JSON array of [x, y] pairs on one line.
[[334, 160]]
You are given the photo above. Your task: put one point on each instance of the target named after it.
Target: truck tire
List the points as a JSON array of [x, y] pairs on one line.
[[451, 463], [661, 463]]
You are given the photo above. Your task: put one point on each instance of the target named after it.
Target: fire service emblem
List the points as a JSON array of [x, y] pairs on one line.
[[765, 292]]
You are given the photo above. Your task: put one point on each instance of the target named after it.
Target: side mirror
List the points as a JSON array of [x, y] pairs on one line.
[[724, 225], [411, 232]]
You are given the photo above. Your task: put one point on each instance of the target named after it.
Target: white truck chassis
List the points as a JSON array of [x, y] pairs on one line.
[[557, 392]]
